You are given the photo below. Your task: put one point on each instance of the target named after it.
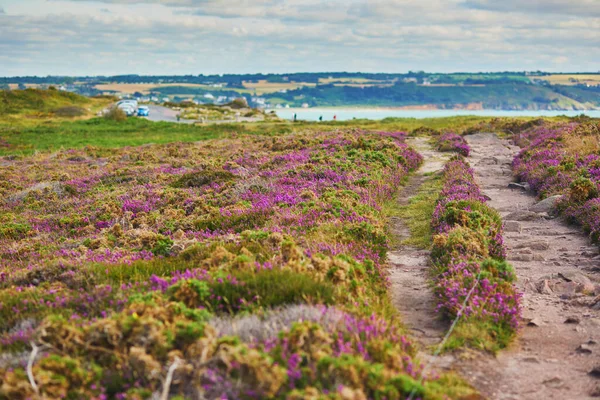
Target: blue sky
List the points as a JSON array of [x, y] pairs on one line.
[[81, 37]]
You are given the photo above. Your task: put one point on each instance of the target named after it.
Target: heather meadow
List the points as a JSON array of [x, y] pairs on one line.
[[143, 260], [255, 265]]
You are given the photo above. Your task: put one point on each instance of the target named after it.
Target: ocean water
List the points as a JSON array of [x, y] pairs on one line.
[[344, 114]]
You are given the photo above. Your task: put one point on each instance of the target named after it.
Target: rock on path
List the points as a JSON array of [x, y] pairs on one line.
[[557, 266]]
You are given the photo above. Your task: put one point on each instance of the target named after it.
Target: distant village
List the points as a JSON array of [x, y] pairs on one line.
[[152, 97]]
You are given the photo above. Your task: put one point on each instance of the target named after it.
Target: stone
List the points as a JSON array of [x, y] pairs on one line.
[[572, 319], [521, 257], [515, 185], [512, 226], [535, 322], [555, 382], [595, 372], [55, 187], [524, 251], [534, 245], [521, 186], [548, 205], [566, 289], [584, 284], [522, 215], [595, 392], [543, 287], [584, 349]]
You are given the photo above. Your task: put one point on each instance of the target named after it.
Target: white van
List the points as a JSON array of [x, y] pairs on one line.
[[128, 108], [131, 102]]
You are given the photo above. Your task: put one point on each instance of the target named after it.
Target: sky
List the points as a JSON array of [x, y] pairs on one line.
[[175, 37]]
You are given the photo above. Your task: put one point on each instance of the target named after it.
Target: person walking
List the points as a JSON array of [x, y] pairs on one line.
[[295, 117], [320, 118], [334, 117]]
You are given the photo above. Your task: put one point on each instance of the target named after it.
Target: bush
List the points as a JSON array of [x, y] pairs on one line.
[[116, 114], [201, 178], [238, 103]]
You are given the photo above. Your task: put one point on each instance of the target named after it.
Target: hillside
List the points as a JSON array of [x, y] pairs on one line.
[[48, 103], [505, 96]]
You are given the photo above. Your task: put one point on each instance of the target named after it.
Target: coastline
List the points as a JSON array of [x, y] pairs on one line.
[[377, 113], [425, 107]]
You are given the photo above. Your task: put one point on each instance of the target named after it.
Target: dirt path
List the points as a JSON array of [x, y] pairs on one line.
[[409, 265], [551, 359]]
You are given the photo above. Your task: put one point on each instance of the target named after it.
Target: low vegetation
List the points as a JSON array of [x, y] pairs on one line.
[[450, 141], [472, 280], [245, 267], [562, 160]]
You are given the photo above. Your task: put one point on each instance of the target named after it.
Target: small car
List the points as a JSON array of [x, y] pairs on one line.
[[143, 111]]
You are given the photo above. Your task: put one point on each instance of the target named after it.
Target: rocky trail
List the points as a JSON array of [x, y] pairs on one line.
[[557, 352], [557, 268]]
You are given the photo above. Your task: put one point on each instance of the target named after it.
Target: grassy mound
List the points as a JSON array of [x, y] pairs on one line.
[[39, 101]]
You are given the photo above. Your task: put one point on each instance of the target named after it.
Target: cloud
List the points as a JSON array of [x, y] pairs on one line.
[[210, 36], [581, 8]]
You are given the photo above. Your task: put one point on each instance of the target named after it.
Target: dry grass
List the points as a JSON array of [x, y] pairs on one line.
[[564, 79], [350, 80], [15, 86], [269, 87], [582, 145], [143, 87], [363, 85]]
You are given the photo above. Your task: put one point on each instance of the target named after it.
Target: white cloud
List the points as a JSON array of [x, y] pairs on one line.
[[582, 8], [210, 36]]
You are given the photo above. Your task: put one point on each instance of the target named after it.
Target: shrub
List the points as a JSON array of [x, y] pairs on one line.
[[453, 142], [468, 255], [115, 114]]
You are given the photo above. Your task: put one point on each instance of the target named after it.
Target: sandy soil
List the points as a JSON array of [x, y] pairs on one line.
[[409, 267]]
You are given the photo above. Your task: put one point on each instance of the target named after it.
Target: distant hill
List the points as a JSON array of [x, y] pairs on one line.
[[534, 90], [500, 96]]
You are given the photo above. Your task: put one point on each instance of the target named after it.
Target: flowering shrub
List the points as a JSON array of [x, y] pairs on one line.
[[130, 261], [468, 253], [562, 159], [452, 142]]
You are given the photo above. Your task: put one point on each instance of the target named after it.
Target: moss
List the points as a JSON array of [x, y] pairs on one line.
[[481, 335], [201, 178], [418, 212], [15, 231], [459, 243]]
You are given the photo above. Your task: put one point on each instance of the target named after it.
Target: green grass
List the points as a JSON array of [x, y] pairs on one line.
[[480, 335], [30, 122], [25, 135], [418, 212], [100, 132]]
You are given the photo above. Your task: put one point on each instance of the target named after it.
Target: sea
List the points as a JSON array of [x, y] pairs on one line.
[[344, 114]]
